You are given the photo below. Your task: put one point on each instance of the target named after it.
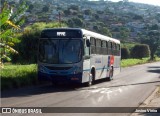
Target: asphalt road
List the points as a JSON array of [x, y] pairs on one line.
[[128, 89]]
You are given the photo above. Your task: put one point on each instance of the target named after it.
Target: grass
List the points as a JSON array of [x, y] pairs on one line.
[[15, 76], [132, 62]]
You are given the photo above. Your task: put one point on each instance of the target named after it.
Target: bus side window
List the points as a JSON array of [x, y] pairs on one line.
[[109, 47], [112, 48], [98, 46], [93, 45], [106, 51], [103, 47]]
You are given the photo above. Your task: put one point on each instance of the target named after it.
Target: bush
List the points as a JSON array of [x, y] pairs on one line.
[[140, 51], [125, 53]]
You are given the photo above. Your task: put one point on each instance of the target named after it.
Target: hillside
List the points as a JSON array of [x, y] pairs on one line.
[[126, 21]]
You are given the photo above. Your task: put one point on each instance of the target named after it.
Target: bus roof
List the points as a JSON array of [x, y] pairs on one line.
[[99, 36], [89, 33]]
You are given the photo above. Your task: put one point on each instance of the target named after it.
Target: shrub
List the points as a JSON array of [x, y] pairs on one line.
[[140, 51], [125, 53]]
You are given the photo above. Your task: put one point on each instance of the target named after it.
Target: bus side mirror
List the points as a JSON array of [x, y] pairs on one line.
[[88, 43]]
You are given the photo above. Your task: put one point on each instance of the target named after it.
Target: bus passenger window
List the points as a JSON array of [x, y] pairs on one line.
[[106, 51]]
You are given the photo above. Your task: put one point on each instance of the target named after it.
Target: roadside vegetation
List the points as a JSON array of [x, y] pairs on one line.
[[10, 27], [132, 62], [16, 76]]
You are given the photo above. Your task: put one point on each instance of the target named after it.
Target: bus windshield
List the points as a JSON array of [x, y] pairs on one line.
[[64, 51]]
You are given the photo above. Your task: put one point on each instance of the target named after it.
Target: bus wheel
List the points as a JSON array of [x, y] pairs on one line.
[[90, 82], [111, 74]]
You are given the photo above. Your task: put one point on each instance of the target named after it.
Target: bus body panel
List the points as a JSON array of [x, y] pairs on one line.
[[86, 70], [96, 62], [105, 65], [116, 65]]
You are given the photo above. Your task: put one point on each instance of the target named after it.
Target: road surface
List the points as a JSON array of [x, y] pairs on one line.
[[128, 89]]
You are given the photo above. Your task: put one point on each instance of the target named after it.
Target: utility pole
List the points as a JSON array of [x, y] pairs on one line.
[[59, 18]]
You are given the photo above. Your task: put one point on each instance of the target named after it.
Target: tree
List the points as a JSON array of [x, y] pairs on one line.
[[30, 7], [137, 17], [96, 28], [66, 12], [153, 40], [70, 23], [45, 9], [77, 22], [124, 33], [96, 16], [106, 31], [74, 7], [88, 12], [9, 25]]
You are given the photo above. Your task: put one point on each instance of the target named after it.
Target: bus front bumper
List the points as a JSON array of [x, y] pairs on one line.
[[75, 78]]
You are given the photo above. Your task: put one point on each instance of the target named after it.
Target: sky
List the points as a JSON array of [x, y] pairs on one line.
[[153, 2]]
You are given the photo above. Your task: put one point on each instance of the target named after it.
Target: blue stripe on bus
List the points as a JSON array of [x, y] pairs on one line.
[[99, 68]]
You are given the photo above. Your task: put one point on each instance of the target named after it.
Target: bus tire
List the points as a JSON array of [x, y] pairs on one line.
[[91, 78], [90, 82], [111, 74]]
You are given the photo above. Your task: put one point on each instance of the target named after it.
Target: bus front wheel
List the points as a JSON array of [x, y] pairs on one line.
[[90, 82]]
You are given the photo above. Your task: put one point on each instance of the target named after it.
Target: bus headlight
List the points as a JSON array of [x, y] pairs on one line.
[[76, 70], [41, 69]]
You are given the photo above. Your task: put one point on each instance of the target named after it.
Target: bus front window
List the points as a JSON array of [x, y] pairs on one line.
[[70, 51], [48, 51], [60, 51]]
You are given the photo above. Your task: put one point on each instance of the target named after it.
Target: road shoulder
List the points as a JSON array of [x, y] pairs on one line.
[[152, 102]]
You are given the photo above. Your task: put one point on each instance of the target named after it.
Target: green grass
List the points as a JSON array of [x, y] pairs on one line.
[[132, 62], [15, 76]]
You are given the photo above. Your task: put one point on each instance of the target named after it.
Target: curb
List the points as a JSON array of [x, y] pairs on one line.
[[149, 99]]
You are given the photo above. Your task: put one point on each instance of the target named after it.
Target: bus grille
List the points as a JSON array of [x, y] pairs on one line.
[[58, 68]]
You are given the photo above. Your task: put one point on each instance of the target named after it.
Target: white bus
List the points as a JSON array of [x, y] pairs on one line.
[[77, 55]]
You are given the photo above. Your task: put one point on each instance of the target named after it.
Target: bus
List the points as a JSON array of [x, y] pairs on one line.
[[77, 55]]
